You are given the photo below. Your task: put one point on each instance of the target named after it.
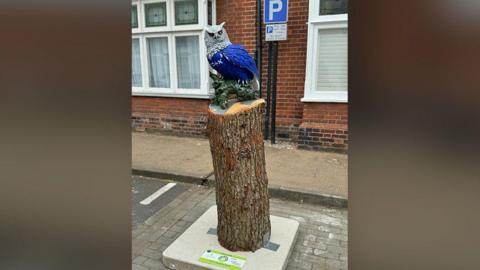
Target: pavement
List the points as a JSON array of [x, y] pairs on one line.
[[321, 242], [302, 175]]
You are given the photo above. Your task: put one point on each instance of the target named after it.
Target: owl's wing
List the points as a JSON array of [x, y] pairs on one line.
[[238, 56]]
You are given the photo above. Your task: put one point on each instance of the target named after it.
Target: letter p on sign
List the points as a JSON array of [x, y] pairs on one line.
[[275, 7], [276, 11]]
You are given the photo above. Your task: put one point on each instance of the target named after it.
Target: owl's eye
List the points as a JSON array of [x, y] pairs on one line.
[[211, 34], [220, 32]]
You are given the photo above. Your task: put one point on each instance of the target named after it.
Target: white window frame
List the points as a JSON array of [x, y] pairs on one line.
[[214, 11], [139, 17], [316, 22], [171, 31]]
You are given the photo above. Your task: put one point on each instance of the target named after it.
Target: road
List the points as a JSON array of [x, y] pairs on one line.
[[143, 188]]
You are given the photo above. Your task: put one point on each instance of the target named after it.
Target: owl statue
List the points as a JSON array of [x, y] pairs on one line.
[[231, 61]]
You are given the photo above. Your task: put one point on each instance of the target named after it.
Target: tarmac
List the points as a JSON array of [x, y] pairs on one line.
[[299, 175]]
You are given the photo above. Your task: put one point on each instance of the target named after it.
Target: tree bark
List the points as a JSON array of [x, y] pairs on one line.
[[236, 143]]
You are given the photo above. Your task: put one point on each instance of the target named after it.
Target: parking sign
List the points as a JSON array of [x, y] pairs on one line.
[[275, 11], [276, 32]]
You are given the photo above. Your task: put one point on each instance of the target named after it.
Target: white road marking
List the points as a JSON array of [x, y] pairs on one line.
[[157, 193]]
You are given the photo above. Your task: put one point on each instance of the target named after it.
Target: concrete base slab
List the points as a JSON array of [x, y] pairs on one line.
[[186, 251]]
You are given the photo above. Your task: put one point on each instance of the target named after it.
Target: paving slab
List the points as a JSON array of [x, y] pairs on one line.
[[171, 154], [198, 242]]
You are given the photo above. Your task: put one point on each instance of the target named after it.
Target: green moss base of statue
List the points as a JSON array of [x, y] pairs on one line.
[[225, 89]]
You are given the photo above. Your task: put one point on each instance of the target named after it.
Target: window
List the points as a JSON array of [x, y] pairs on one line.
[[327, 53], [156, 14], [188, 64], [134, 16], [331, 60], [136, 64], [210, 12], [328, 7], [186, 12], [158, 62], [168, 53]]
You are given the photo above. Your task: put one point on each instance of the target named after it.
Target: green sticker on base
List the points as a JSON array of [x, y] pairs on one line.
[[227, 261]]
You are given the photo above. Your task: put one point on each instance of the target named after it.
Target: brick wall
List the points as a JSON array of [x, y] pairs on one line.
[[179, 116], [239, 17], [315, 126], [291, 66], [240, 23], [324, 127], [290, 72]]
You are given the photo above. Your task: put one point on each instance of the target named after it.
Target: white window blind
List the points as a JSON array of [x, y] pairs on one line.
[[136, 64], [332, 60], [158, 62]]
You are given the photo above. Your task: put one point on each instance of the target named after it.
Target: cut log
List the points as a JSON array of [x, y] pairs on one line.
[[236, 143]]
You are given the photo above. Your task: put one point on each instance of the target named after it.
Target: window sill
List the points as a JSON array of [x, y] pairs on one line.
[[316, 99], [150, 94]]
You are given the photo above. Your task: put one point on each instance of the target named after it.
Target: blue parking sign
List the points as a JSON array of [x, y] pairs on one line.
[[275, 11]]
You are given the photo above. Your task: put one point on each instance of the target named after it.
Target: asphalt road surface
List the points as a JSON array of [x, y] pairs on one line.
[[150, 195]]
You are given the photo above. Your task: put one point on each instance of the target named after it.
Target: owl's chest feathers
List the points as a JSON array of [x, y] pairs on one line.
[[215, 48]]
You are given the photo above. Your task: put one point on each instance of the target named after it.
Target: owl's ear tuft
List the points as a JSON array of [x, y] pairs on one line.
[[221, 25]]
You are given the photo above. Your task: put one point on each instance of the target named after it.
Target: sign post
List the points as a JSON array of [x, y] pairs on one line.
[[275, 18]]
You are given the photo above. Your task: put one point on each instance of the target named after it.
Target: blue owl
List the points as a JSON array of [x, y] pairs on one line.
[[231, 61]]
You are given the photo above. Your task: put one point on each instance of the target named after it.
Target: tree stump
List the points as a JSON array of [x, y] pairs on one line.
[[236, 143]]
